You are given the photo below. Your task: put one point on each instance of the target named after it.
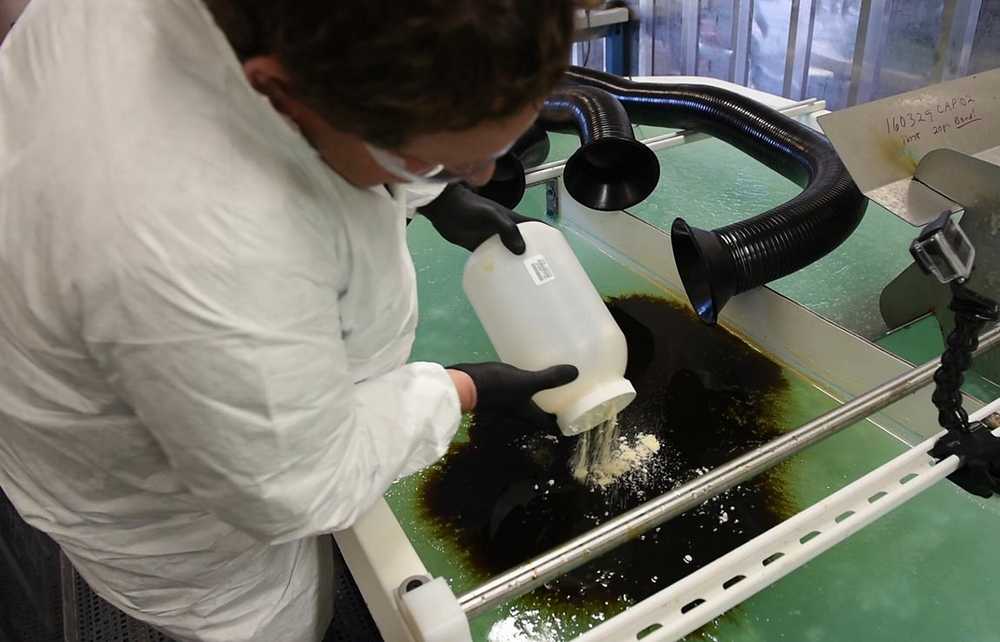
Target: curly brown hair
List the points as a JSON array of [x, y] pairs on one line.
[[389, 70]]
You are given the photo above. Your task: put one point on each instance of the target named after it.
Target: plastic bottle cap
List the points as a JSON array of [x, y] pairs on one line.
[[597, 406]]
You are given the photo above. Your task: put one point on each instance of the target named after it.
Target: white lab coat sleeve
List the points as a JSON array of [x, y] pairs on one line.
[[240, 374]]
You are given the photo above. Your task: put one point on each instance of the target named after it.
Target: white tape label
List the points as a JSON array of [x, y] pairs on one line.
[[538, 268]]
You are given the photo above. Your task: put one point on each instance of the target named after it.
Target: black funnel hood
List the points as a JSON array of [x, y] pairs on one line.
[[718, 264], [507, 185], [705, 267], [611, 170], [611, 174]]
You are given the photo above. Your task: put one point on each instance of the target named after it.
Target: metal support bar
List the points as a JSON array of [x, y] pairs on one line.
[[647, 24], [616, 50], [632, 523], [800, 36], [729, 580], [942, 49], [585, 19], [742, 24], [594, 33], [958, 30], [966, 36], [872, 27], [790, 52], [690, 18]]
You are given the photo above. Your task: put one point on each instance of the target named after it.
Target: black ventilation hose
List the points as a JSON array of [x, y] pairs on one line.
[[716, 264], [507, 185], [611, 170], [532, 148]]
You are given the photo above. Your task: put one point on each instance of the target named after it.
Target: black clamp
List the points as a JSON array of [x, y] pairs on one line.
[[974, 443], [979, 450], [972, 312]]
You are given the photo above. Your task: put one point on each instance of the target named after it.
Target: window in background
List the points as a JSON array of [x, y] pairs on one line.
[[831, 58], [769, 44], [668, 36], [986, 46], [908, 44], [715, 38], [589, 53], [675, 37], [910, 53]]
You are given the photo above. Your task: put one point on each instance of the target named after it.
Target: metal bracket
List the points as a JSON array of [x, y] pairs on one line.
[[961, 181], [921, 153], [591, 24]]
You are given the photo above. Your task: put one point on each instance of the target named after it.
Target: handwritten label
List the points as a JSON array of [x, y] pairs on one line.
[[883, 141], [937, 118]]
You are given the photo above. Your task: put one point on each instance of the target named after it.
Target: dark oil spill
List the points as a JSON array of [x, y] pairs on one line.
[[507, 495]]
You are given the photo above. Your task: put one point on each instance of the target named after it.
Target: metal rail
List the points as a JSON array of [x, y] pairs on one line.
[[632, 523]]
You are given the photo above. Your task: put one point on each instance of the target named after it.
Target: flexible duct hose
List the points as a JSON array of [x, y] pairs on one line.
[[507, 184], [715, 265], [532, 148], [611, 170]]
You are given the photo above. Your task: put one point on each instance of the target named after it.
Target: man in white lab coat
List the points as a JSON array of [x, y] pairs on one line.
[[207, 299]]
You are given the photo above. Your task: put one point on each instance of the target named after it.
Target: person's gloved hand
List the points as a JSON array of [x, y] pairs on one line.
[[465, 218], [503, 388]]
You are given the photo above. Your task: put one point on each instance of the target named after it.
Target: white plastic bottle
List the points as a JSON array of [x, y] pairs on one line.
[[540, 309]]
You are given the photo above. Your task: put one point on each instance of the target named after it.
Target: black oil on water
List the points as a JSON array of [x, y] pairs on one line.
[[507, 495]]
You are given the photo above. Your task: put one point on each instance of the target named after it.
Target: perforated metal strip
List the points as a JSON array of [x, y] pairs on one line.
[[702, 596]]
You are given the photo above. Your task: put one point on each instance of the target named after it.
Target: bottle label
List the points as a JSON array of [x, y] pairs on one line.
[[538, 268]]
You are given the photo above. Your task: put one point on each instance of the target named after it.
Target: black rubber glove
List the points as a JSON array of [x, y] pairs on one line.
[[502, 388], [465, 218]]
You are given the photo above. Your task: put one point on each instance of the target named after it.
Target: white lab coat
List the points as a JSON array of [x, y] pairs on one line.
[[203, 329]]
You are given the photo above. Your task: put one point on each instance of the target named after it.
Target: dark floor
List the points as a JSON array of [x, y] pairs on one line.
[[45, 600], [30, 595], [351, 620]]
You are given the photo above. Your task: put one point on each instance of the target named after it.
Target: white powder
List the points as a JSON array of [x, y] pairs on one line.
[[594, 449], [627, 459], [603, 457]]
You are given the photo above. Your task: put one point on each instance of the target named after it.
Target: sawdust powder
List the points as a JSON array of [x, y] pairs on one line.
[[704, 397]]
